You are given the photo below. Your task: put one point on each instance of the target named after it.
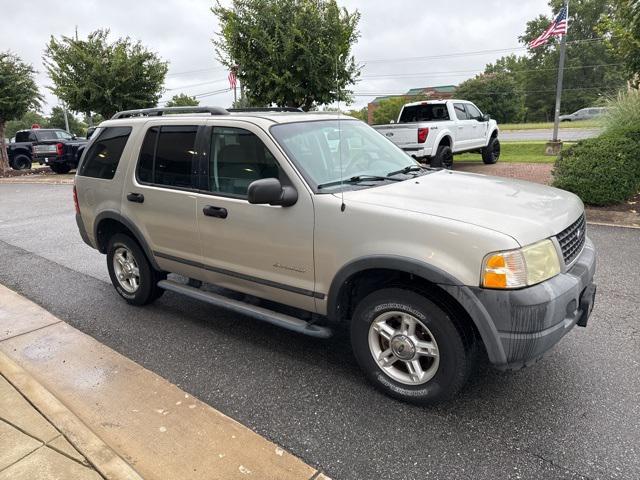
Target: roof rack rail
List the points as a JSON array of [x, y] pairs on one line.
[[158, 112], [265, 109]]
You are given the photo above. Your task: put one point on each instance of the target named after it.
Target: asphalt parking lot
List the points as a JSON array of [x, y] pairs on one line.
[[574, 415]]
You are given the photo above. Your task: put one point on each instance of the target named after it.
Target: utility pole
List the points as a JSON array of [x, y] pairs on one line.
[[66, 117], [555, 146]]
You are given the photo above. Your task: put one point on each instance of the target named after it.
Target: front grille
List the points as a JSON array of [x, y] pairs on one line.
[[572, 239]]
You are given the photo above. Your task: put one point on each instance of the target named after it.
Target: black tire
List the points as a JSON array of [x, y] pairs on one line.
[[21, 162], [491, 153], [60, 168], [147, 290], [456, 345], [443, 157]]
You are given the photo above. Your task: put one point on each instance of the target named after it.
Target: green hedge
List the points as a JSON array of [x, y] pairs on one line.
[[603, 170]]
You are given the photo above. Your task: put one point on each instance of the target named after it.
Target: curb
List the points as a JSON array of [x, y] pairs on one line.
[[101, 457]]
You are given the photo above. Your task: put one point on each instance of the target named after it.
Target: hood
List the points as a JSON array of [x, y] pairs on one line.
[[528, 212]]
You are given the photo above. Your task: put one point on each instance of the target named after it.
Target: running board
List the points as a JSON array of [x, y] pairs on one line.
[[260, 313]]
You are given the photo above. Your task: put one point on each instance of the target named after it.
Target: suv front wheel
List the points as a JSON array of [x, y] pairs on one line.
[[131, 273], [409, 347]]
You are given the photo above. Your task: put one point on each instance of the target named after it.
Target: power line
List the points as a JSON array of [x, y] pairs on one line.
[[380, 94], [466, 72], [173, 74], [195, 85]]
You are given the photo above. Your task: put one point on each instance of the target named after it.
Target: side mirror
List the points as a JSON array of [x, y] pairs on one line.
[[486, 117], [270, 191]]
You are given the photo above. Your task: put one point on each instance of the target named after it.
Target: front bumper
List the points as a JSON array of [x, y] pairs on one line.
[[519, 326]]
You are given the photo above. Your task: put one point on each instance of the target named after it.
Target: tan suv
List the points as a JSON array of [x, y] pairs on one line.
[[309, 220]]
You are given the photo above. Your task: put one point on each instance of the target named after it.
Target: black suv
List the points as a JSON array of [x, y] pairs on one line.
[[48, 146]]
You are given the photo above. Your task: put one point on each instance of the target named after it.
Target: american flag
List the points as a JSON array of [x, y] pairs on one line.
[[233, 80], [557, 28]]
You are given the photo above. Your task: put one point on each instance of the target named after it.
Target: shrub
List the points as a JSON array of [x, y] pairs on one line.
[[623, 113], [603, 170]]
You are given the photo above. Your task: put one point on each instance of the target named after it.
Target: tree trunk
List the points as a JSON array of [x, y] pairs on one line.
[[4, 157]]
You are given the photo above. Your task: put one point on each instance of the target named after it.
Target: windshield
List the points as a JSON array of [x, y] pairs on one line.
[[328, 154]]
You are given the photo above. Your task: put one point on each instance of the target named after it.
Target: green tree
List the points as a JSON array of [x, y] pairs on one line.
[[18, 94], [94, 75], [25, 122], [389, 109], [56, 120], [592, 66], [292, 53], [183, 100], [362, 114], [495, 93], [624, 25]]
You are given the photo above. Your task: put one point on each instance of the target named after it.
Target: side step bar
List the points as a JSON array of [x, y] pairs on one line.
[[260, 313]]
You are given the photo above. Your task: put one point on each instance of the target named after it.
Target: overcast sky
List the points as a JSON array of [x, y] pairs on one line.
[[180, 32]]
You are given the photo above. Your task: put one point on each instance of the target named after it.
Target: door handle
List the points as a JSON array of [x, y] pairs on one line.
[[135, 197], [218, 212]]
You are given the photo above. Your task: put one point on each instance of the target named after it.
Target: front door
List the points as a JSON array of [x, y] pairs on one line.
[[261, 250]]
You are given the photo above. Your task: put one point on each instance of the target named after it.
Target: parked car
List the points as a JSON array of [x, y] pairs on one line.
[[48, 146], [435, 130], [584, 114], [427, 267]]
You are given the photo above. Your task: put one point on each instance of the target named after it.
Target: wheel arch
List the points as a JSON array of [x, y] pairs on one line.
[[109, 223], [444, 138], [379, 271]]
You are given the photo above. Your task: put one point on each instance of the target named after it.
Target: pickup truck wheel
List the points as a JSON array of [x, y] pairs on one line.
[[131, 273], [443, 157], [60, 168], [21, 162], [409, 347], [491, 152]]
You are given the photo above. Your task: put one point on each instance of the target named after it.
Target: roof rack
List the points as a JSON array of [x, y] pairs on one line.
[[158, 112], [265, 109]]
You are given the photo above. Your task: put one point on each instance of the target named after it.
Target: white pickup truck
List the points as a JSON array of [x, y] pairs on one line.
[[434, 130]]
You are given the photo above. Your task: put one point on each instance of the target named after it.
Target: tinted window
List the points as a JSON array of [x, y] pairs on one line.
[[461, 113], [166, 156], [22, 137], [473, 111], [103, 156], [424, 113], [238, 157]]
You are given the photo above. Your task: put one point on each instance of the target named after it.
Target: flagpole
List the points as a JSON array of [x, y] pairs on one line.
[[563, 47]]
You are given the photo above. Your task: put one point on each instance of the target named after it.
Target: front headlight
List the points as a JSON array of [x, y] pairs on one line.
[[522, 267]]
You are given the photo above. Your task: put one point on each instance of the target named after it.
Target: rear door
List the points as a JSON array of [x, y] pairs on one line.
[[478, 126], [464, 128], [159, 195]]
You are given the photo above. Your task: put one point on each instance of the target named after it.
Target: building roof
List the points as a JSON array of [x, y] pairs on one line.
[[413, 92]]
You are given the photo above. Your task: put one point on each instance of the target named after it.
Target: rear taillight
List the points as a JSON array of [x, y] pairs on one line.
[[59, 148], [422, 135], [75, 200]]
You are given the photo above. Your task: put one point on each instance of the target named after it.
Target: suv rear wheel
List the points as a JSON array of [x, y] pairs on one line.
[[21, 162], [131, 273], [443, 157], [409, 347]]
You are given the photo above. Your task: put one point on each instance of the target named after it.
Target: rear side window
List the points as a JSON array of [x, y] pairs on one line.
[[23, 137], [461, 113], [103, 156], [167, 154]]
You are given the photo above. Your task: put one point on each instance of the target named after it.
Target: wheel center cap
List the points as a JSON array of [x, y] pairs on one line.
[[402, 347]]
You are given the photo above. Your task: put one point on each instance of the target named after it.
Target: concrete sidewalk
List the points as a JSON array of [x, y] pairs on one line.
[[72, 408], [32, 447]]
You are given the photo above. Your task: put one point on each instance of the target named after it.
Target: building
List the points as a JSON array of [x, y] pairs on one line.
[[442, 91]]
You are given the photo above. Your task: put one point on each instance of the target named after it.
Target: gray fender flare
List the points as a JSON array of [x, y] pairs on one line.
[[113, 215], [461, 293]]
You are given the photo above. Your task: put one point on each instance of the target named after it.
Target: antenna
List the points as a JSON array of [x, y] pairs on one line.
[[342, 205]]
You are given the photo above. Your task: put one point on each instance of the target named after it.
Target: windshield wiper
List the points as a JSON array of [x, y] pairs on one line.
[[358, 179], [407, 169]]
